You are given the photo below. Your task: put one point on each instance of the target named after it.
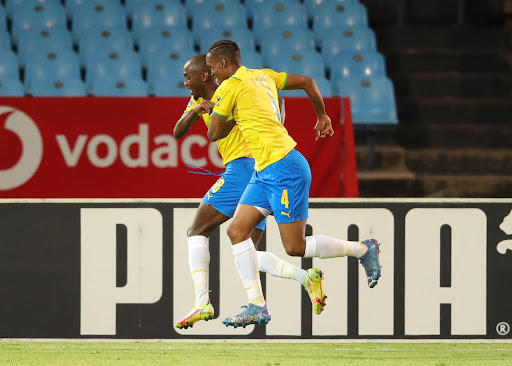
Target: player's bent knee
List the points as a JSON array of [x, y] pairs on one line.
[[294, 250], [237, 234]]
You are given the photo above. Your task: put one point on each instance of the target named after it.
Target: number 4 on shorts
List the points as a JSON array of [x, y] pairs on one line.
[[284, 198]]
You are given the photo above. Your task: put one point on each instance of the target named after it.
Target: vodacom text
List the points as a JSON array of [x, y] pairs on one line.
[[137, 150]]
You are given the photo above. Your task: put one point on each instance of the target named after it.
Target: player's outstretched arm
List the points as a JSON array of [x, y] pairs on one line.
[[323, 127], [220, 127], [190, 117]]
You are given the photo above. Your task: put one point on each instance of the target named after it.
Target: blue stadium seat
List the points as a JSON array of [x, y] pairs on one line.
[[99, 38], [241, 35], [323, 84], [119, 87], [53, 65], [96, 14], [5, 40], [253, 6], [372, 99], [167, 65], [157, 13], [280, 14], [26, 17], [351, 14], [169, 88], [340, 40], [113, 65], [313, 5], [10, 5], [43, 39], [367, 64], [59, 87], [156, 39], [285, 40], [218, 14], [192, 6], [9, 65], [252, 60], [3, 19], [309, 63], [11, 87], [72, 5]]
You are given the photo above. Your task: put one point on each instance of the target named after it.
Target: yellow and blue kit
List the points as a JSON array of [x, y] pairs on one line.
[[282, 179], [225, 194]]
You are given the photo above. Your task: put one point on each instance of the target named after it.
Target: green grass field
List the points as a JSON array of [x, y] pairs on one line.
[[261, 354]]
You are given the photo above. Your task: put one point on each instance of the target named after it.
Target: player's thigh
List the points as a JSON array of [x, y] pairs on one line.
[[206, 220], [293, 236], [244, 222]]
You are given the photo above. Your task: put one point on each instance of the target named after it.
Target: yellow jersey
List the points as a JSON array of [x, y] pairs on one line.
[[233, 146], [250, 95]]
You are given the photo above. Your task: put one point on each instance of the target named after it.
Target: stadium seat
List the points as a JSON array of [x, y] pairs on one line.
[[323, 84], [307, 63], [53, 65], [313, 5], [241, 35], [288, 40], [96, 14], [192, 6], [39, 16], [278, 15], [351, 14], [347, 65], [372, 99], [169, 88], [5, 40], [72, 5], [11, 87], [98, 38], [253, 6], [119, 87], [339, 40], [156, 39], [157, 13], [43, 39], [9, 65], [10, 5], [167, 65], [252, 60], [60, 87], [218, 14], [113, 65]]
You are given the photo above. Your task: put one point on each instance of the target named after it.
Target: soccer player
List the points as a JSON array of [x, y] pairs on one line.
[[282, 179], [220, 201]]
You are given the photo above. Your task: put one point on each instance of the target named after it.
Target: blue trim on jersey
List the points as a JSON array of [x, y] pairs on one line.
[[225, 194], [267, 188]]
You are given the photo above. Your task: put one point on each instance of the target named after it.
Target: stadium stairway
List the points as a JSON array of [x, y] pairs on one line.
[[451, 64]]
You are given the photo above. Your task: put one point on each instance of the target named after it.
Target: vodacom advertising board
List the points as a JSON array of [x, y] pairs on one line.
[[124, 148]]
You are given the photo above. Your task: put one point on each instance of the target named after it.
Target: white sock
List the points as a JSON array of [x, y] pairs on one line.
[[246, 261], [271, 263], [322, 246], [199, 263]]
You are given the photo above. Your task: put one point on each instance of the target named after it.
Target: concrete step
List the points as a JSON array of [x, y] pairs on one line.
[[454, 110], [461, 161], [422, 61], [439, 38], [386, 157], [455, 136], [452, 84], [468, 186], [387, 183]]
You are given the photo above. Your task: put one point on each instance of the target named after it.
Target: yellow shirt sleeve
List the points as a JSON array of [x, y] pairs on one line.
[[225, 97], [280, 78]]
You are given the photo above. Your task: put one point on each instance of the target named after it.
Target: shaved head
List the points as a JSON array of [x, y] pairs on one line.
[[197, 63]]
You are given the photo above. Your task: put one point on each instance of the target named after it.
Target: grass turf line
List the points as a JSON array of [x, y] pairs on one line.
[[55, 354]]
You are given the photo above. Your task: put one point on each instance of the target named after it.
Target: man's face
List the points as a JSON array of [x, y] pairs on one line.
[[193, 80], [216, 67]]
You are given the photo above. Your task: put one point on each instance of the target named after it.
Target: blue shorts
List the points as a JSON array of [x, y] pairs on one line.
[[226, 192], [282, 187]]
